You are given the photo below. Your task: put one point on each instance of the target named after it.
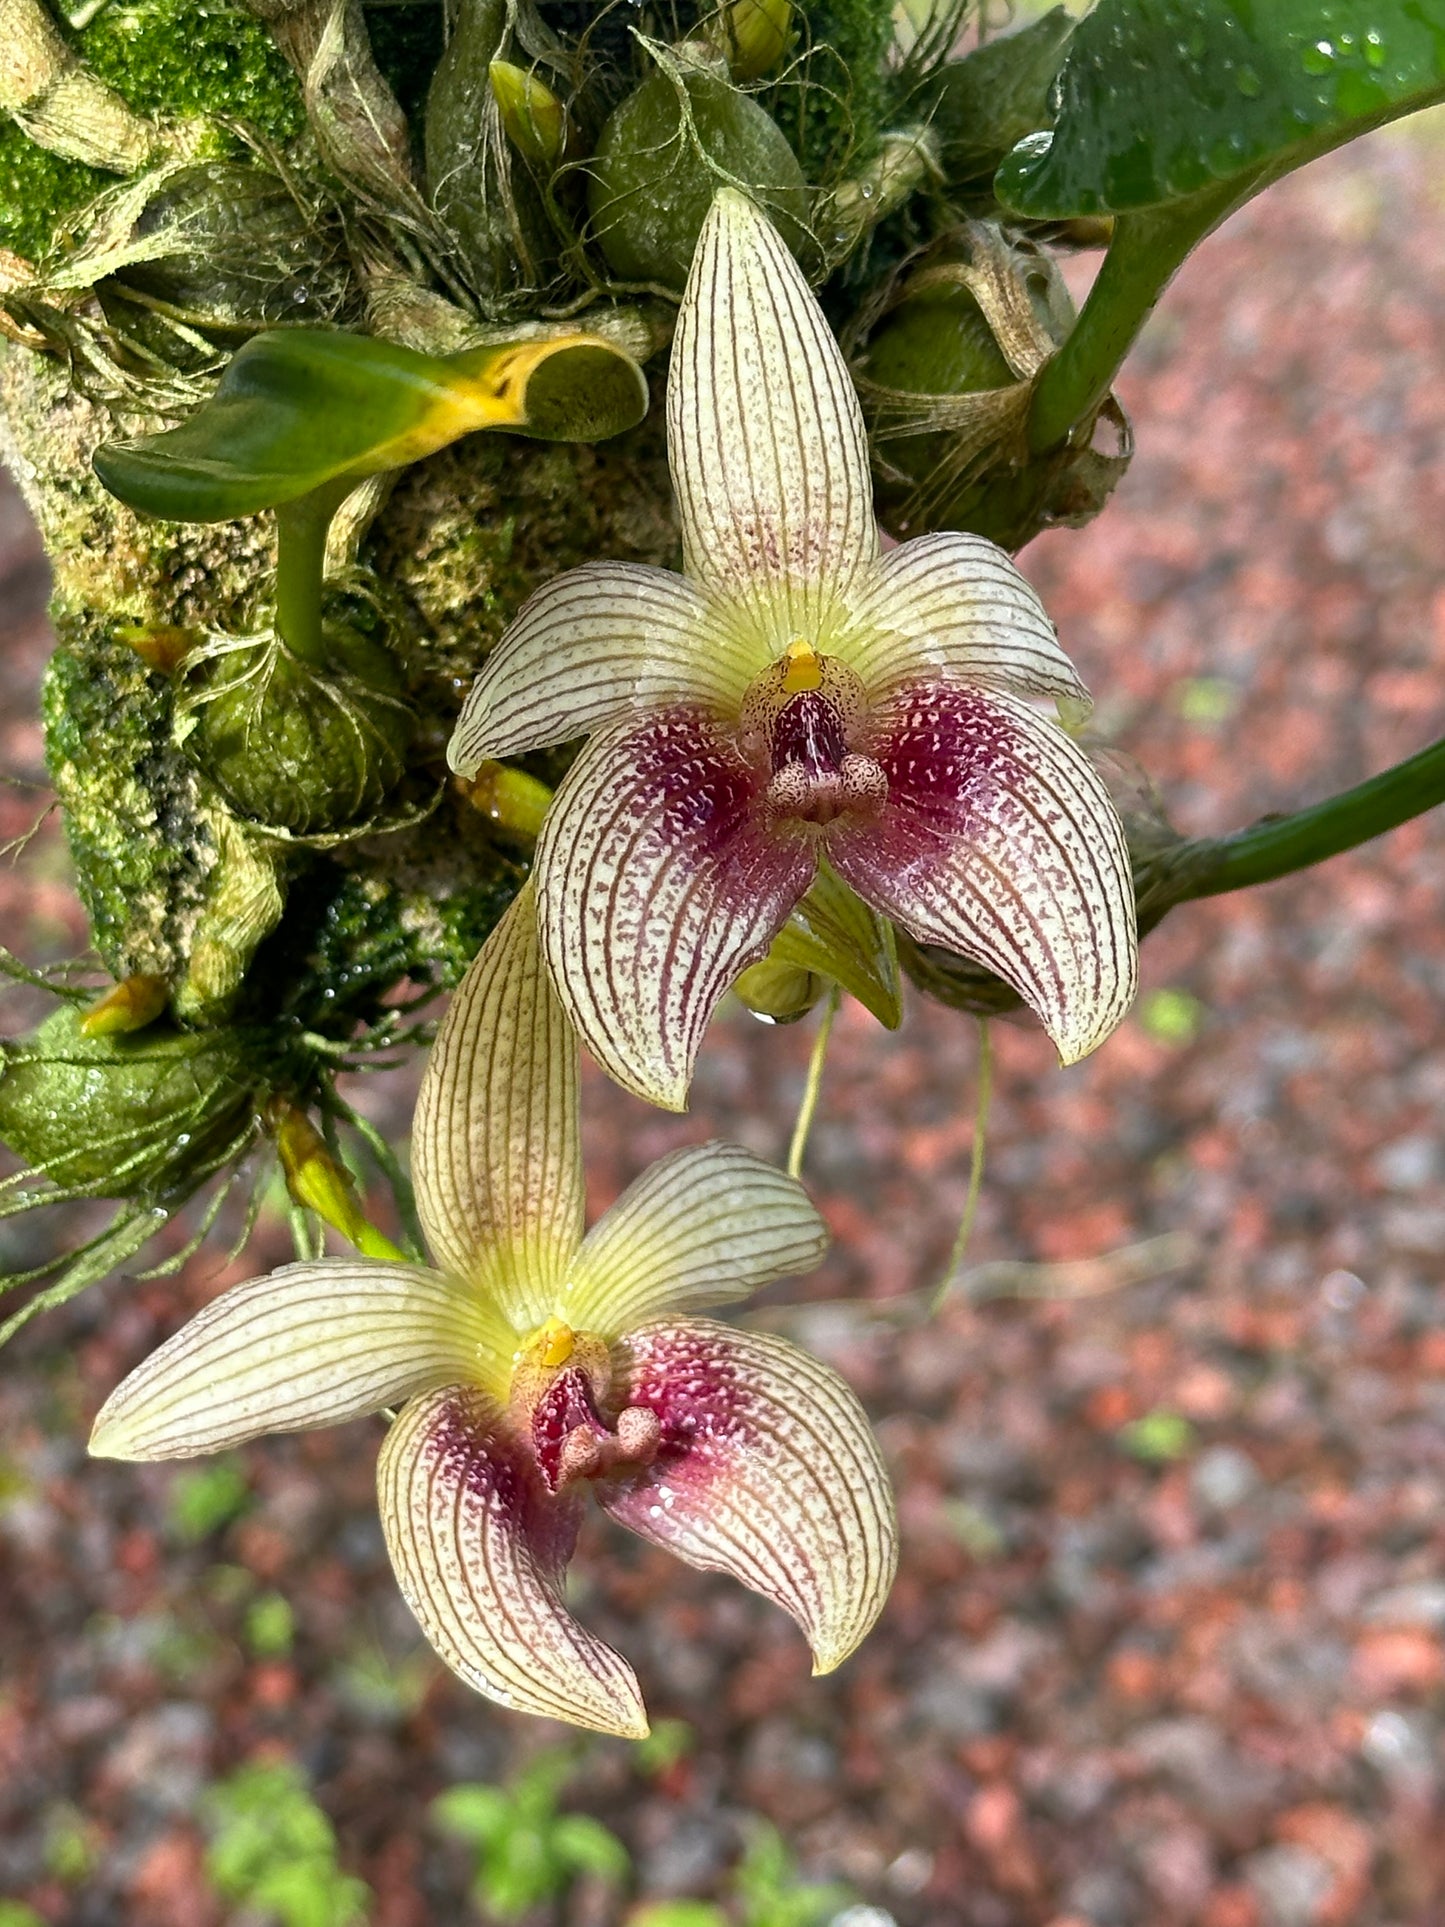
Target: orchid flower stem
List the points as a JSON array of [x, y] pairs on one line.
[[975, 1168], [809, 1105], [1278, 845], [1146, 251], [301, 530]]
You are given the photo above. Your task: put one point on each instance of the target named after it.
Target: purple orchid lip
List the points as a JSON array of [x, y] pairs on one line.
[[536, 1365], [796, 694]]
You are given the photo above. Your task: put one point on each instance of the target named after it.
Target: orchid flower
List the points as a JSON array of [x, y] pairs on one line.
[[532, 1363], [797, 696]]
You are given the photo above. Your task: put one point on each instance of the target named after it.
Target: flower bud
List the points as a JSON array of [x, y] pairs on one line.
[[534, 118], [294, 746], [122, 1116], [510, 798], [318, 1183], [778, 993], [752, 35], [129, 1005], [663, 154]]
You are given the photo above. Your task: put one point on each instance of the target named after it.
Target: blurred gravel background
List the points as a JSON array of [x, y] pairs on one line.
[[1168, 1644]]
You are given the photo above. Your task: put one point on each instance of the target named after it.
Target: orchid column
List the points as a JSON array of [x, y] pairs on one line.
[[797, 698]]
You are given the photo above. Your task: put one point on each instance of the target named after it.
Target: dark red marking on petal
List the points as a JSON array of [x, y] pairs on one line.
[[998, 839], [571, 1442], [808, 730], [470, 1447], [661, 878]]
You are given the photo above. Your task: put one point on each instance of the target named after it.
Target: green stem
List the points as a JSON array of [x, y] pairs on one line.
[[809, 1105], [1278, 845], [301, 530], [1143, 257]]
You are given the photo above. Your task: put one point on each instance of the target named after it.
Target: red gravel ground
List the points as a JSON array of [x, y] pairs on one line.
[[1108, 1692]]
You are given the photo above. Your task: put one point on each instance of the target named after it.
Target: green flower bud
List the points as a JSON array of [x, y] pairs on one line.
[[535, 120], [292, 745], [662, 156], [124, 1116], [778, 993], [479, 185], [752, 35]]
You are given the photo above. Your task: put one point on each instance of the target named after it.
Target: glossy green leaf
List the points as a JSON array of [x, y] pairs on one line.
[[301, 409], [1160, 99]]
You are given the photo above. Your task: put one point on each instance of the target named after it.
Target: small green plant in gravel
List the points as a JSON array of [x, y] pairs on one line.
[[274, 1850], [765, 1892], [203, 1501], [527, 1853]]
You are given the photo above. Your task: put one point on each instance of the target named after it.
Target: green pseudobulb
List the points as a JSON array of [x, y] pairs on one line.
[[289, 745], [123, 1116], [663, 155]]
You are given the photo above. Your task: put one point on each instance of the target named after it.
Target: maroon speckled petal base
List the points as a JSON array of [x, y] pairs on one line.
[[480, 1549], [998, 839], [659, 881], [766, 1469]]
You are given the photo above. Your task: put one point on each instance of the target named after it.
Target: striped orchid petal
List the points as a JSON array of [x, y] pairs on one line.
[[998, 839], [703, 1227], [658, 882], [585, 649], [764, 432], [309, 1345], [496, 1153], [767, 1470], [955, 606], [480, 1549]]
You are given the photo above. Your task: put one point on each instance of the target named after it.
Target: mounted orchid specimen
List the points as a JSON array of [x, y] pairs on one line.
[[797, 697], [535, 1363]]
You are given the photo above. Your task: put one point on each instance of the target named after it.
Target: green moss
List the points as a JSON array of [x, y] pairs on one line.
[[141, 849], [167, 57], [348, 937], [832, 102], [37, 188]]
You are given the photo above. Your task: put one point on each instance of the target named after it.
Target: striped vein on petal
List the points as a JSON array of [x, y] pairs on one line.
[[765, 436], [588, 647], [999, 840], [309, 1345], [705, 1226], [480, 1550], [496, 1145], [768, 1470], [954, 605], [658, 882]]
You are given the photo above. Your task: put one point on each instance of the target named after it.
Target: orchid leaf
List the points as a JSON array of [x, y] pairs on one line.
[[303, 409], [833, 933], [1161, 99]]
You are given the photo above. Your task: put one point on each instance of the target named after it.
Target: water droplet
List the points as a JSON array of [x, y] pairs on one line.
[[1318, 58], [1248, 82], [1374, 49]]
